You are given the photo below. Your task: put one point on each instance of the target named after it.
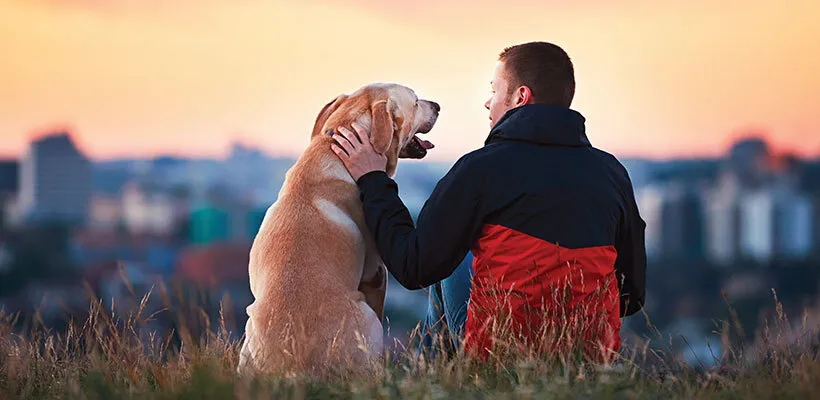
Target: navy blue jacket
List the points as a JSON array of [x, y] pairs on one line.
[[537, 193]]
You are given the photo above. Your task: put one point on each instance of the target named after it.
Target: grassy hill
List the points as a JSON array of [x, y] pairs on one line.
[[111, 356]]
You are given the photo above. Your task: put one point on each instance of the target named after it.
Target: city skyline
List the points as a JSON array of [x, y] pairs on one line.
[[134, 79]]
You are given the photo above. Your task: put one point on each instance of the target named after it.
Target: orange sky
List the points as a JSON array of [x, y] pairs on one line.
[[136, 77]]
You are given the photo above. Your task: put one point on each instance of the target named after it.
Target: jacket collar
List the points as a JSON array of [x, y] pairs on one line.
[[541, 124]]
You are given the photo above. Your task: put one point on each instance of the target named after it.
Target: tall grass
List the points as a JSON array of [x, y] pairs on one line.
[[113, 353]]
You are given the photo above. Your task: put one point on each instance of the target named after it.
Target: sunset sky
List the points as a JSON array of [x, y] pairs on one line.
[[655, 78]]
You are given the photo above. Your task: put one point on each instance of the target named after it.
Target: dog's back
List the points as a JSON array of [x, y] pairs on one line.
[[305, 266], [317, 278]]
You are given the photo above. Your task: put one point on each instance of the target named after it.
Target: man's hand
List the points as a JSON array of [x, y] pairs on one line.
[[358, 156]]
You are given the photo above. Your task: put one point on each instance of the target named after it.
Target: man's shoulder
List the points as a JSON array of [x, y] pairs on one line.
[[614, 165], [605, 155], [609, 159], [485, 153], [474, 157], [471, 164]]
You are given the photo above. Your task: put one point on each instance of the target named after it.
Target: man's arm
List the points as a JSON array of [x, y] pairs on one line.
[[447, 225], [630, 266]]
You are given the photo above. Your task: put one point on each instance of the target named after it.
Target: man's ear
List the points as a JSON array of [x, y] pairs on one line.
[[381, 133], [327, 110], [523, 96]]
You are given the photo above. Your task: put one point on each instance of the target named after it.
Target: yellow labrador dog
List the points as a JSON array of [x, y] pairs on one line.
[[316, 276]]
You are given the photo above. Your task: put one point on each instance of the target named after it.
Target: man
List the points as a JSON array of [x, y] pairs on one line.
[[557, 239]]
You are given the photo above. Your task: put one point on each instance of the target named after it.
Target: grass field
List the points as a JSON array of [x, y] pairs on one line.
[[109, 356]]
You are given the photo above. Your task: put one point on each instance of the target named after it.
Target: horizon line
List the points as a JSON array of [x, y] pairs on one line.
[[775, 148], [286, 155]]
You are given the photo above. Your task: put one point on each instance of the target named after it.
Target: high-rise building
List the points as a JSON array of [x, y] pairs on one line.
[[650, 201], [795, 219], [672, 213], [721, 220], [55, 181], [776, 224], [757, 226]]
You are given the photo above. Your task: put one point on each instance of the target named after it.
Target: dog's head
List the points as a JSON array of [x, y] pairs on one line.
[[394, 115]]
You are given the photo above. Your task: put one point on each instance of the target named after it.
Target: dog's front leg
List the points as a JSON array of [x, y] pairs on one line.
[[374, 286]]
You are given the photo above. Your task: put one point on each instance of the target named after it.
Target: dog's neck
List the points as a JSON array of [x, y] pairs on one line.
[[363, 120], [333, 168], [330, 162], [324, 165]]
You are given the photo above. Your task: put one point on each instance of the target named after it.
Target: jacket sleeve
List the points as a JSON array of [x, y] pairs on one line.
[[630, 265], [447, 226]]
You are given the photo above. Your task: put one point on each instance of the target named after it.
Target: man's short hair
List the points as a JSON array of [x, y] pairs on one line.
[[543, 67]]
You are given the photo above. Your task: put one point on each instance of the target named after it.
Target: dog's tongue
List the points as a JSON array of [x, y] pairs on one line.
[[427, 145]]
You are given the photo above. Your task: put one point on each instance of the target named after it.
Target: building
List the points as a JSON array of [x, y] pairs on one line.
[[672, 213], [147, 209], [721, 220], [795, 218], [810, 185], [209, 224], [749, 160], [105, 213], [757, 226], [233, 223], [223, 216], [55, 182], [777, 224], [650, 201], [9, 183]]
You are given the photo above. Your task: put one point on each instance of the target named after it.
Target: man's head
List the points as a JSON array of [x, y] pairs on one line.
[[530, 73]]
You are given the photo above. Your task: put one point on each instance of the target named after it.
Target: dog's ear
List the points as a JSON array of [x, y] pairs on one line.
[[381, 133], [327, 110]]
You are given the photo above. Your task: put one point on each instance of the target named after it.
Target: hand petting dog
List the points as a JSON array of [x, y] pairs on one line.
[[358, 156]]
